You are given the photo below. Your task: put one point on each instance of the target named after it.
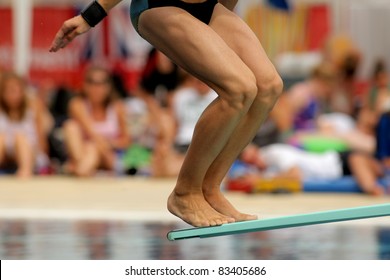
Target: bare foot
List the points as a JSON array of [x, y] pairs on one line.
[[69, 168], [219, 202], [194, 210], [23, 173], [82, 172], [84, 169], [375, 191]]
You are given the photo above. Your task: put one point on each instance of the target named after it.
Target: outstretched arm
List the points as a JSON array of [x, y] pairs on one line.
[[76, 26]]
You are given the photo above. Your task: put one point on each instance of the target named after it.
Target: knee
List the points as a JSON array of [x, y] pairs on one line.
[[242, 92], [270, 89]]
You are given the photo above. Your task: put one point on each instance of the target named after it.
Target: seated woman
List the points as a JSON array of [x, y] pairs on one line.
[[310, 98], [96, 130], [22, 140]]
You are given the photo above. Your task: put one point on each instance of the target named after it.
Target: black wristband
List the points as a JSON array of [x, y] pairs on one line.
[[93, 14]]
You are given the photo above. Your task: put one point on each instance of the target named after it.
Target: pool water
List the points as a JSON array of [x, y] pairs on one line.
[[126, 240]]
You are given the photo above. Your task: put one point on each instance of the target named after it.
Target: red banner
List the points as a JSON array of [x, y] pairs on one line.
[[6, 38], [318, 26], [64, 66], [113, 43]]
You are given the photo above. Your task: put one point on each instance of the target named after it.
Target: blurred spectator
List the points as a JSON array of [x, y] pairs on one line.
[[343, 55], [140, 122], [278, 126], [343, 99], [59, 110], [383, 140], [159, 78], [176, 129], [318, 108], [188, 104], [22, 138], [144, 127], [96, 131], [270, 131], [56, 98], [308, 99], [378, 99], [138, 117], [149, 112], [280, 160]]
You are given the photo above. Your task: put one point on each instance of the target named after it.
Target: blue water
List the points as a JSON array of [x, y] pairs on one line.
[[74, 240]]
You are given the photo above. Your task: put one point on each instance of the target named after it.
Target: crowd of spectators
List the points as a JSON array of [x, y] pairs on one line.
[[322, 126]]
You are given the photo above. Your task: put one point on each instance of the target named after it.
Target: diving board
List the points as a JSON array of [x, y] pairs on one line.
[[332, 216]]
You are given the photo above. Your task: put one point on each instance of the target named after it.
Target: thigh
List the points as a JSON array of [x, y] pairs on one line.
[[241, 39], [195, 47]]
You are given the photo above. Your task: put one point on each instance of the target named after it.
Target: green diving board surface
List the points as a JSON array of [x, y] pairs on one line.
[[332, 216]]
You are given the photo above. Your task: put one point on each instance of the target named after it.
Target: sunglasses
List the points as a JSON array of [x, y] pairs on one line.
[[97, 82]]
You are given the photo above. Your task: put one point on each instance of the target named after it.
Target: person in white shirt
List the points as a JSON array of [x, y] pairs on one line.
[[177, 128], [277, 159], [188, 104]]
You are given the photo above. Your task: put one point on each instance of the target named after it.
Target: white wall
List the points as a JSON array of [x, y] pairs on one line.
[[369, 28]]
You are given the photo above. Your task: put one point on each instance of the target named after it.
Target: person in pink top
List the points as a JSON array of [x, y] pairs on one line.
[[97, 126]]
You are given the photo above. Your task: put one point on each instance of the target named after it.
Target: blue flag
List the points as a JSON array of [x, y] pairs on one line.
[[279, 4]]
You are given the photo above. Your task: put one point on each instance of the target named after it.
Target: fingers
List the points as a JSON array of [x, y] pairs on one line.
[[63, 37], [56, 42], [69, 30], [59, 39]]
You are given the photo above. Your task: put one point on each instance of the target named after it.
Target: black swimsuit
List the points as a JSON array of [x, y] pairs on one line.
[[202, 11]]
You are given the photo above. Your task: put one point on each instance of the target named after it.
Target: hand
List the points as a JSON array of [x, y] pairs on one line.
[[69, 30], [102, 144]]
